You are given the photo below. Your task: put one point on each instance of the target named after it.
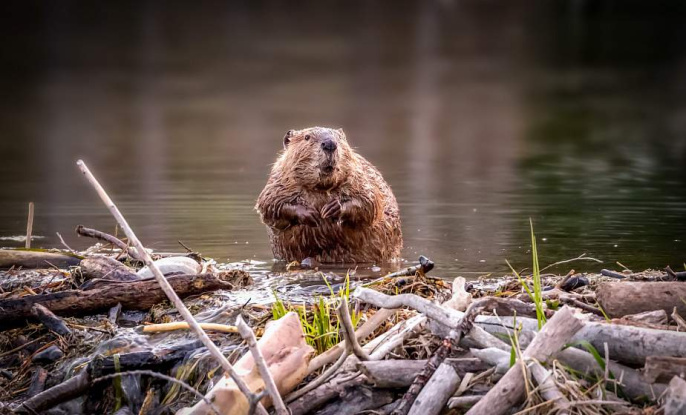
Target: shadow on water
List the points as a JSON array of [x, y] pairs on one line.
[[480, 115]]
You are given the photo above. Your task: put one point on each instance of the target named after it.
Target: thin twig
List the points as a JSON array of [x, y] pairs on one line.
[[65, 244], [167, 288], [106, 237], [248, 335], [581, 257]]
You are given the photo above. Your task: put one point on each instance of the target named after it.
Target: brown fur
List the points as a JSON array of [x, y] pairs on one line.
[[331, 206]]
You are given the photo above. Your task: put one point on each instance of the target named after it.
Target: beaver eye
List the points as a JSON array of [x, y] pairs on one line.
[[307, 137]]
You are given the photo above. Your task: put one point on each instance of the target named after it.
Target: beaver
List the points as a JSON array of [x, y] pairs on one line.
[[324, 201]]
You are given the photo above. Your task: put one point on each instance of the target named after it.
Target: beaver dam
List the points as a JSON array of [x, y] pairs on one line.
[[121, 329]]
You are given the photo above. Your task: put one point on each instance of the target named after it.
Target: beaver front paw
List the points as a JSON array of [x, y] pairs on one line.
[[332, 210], [306, 216]]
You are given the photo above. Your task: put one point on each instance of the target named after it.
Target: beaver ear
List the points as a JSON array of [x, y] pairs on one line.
[[287, 138]]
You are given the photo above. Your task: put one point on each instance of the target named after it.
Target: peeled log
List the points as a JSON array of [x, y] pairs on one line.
[[287, 355], [107, 268], [621, 298], [134, 295]]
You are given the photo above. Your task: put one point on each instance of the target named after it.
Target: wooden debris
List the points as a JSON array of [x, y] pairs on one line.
[[620, 299], [134, 295], [664, 368], [182, 325], [437, 391], [675, 397], [36, 258], [50, 320], [107, 268], [509, 391], [401, 373]]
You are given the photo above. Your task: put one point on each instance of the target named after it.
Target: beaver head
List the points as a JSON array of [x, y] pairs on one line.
[[316, 158]]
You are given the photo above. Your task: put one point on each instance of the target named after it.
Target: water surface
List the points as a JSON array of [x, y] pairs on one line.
[[480, 115]]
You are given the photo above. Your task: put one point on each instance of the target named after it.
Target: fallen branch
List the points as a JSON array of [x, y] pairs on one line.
[[50, 320], [401, 373], [167, 288], [509, 391], [620, 299], [347, 326], [106, 237], [133, 295], [664, 368], [323, 394], [548, 389], [107, 268], [433, 397]]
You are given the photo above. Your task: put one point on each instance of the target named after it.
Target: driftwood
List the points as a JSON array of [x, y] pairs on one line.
[[509, 391], [675, 397], [107, 268], [401, 373], [462, 402], [620, 299], [357, 400], [182, 325], [135, 295], [437, 391], [106, 237], [627, 344], [324, 393], [664, 368], [50, 320], [548, 389], [36, 258]]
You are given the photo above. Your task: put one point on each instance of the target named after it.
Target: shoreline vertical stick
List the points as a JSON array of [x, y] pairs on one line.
[[29, 226], [168, 290]]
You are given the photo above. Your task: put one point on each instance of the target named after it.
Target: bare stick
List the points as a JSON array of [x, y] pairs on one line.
[[248, 335], [65, 244], [29, 226], [181, 325], [549, 390], [344, 317], [106, 237], [168, 290], [581, 257]]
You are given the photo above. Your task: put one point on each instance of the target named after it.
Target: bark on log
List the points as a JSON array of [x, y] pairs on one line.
[[135, 295], [36, 259], [620, 299], [675, 398], [627, 344], [509, 391], [50, 320], [664, 368], [401, 373], [323, 394], [435, 394], [358, 400], [107, 268]]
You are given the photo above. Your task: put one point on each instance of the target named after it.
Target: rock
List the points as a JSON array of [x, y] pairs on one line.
[[172, 265]]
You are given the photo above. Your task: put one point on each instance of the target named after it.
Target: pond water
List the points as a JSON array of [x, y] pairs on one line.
[[480, 115]]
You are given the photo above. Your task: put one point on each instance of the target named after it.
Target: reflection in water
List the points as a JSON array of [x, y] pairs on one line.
[[480, 115]]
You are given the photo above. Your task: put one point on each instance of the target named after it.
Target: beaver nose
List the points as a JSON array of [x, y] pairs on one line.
[[329, 146]]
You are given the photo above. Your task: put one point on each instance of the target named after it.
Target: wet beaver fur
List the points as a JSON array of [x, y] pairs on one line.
[[325, 201]]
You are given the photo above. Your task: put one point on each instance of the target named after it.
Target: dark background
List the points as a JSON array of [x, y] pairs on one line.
[[480, 114]]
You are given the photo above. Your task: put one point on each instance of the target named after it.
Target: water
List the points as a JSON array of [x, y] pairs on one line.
[[480, 115]]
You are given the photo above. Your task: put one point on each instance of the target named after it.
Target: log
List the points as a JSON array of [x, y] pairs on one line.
[[107, 268], [134, 295], [627, 344], [401, 373], [323, 394], [286, 354], [548, 389], [36, 258], [620, 299], [50, 320], [358, 400], [664, 368], [433, 397], [509, 391], [675, 397]]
